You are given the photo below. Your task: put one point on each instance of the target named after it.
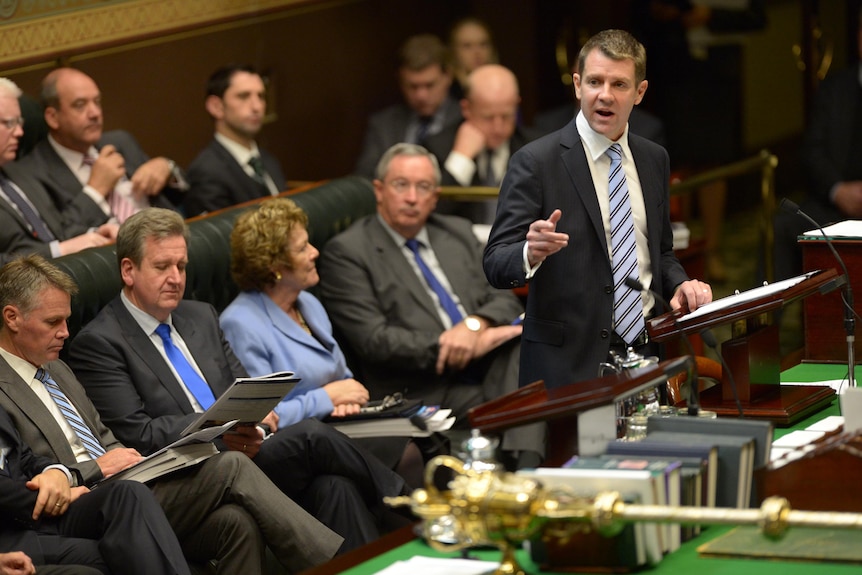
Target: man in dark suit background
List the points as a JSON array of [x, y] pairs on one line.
[[404, 332], [832, 160], [232, 168], [424, 76], [477, 152], [110, 169], [553, 228], [144, 399], [224, 509], [29, 220]]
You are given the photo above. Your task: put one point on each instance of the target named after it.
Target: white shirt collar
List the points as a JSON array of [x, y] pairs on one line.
[[70, 157], [240, 153], [596, 143], [147, 322]]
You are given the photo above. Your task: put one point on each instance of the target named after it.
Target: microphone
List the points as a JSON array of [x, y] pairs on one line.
[[846, 293], [693, 395]]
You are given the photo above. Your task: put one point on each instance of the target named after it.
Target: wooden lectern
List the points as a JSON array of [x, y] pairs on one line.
[[752, 354], [560, 406]]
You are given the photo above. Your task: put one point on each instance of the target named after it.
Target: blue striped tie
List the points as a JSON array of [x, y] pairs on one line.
[[91, 444], [628, 307], [442, 294]]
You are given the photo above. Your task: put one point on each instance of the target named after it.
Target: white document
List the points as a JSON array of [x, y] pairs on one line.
[[439, 566], [845, 229], [248, 400], [746, 296]]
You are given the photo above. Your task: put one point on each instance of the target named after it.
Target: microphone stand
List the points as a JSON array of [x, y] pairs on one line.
[[846, 293]]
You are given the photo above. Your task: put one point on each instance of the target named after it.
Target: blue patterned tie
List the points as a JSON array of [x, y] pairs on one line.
[[194, 382], [628, 307], [37, 225], [444, 296], [91, 444]]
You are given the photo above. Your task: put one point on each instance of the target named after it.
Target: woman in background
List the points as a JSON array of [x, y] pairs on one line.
[[274, 324]]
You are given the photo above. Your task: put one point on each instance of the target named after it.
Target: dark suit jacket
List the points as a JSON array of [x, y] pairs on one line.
[[16, 500], [387, 127], [217, 181], [44, 164], [829, 138], [129, 382], [15, 236], [377, 302], [441, 144], [570, 307], [38, 427]]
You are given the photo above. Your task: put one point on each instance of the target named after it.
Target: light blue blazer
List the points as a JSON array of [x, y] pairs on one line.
[[266, 339]]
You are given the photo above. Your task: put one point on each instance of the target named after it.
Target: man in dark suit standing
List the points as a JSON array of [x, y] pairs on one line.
[[405, 289], [110, 169], [425, 76], [29, 220], [232, 168], [477, 152], [580, 211], [224, 509], [147, 397]]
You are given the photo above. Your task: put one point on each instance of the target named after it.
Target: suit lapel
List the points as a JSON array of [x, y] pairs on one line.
[[398, 267], [202, 351], [149, 355], [26, 400], [575, 161], [63, 180], [241, 180]]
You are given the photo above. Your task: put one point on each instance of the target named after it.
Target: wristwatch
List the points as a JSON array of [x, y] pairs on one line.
[[473, 323]]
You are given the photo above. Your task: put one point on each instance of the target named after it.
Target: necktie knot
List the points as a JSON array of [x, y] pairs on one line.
[[257, 165], [413, 244], [164, 331], [614, 152], [88, 160]]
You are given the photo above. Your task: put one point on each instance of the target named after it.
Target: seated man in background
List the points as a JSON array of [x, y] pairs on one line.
[[477, 152], [152, 361], [425, 77], [405, 288], [232, 169], [29, 220], [117, 528], [110, 169], [223, 509]]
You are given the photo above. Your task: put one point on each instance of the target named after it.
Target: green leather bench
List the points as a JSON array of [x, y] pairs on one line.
[[331, 206]]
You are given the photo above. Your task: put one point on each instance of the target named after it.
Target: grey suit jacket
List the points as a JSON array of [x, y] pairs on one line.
[[38, 427], [378, 303], [217, 181], [44, 164], [16, 238], [388, 127], [129, 381], [568, 323]]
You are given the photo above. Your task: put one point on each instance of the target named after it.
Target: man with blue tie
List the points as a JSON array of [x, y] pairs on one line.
[[152, 362], [404, 287], [580, 211], [223, 510]]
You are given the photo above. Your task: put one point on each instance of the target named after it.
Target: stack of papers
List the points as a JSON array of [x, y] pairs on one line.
[[438, 566], [428, 420]]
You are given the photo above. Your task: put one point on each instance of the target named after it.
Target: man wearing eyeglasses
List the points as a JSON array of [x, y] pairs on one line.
[[29, 220], [405, 288]]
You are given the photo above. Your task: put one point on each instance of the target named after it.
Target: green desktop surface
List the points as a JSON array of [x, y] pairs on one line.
[[686, 559]]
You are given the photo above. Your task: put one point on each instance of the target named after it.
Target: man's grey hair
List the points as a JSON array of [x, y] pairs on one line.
[[9, 89], [405, 149], [156, 223], [24, 278]]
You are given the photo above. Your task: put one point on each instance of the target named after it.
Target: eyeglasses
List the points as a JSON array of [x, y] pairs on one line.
[[403, 186], [12, 123]]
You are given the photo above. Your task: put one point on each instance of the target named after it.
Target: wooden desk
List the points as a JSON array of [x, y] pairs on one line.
[[823, 315], [401, 544]]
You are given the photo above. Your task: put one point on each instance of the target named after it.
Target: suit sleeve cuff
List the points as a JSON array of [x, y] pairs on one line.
[[460, 167], [99, 199], [529, 271], [72, 480]]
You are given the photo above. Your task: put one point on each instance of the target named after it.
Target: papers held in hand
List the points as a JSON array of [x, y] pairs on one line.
[[186, 451], [248, 400]]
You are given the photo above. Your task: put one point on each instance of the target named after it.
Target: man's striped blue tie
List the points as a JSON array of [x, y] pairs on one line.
[[628, 307], [93, 446]]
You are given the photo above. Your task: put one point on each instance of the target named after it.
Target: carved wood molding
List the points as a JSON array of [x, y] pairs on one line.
[[67, 32]]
